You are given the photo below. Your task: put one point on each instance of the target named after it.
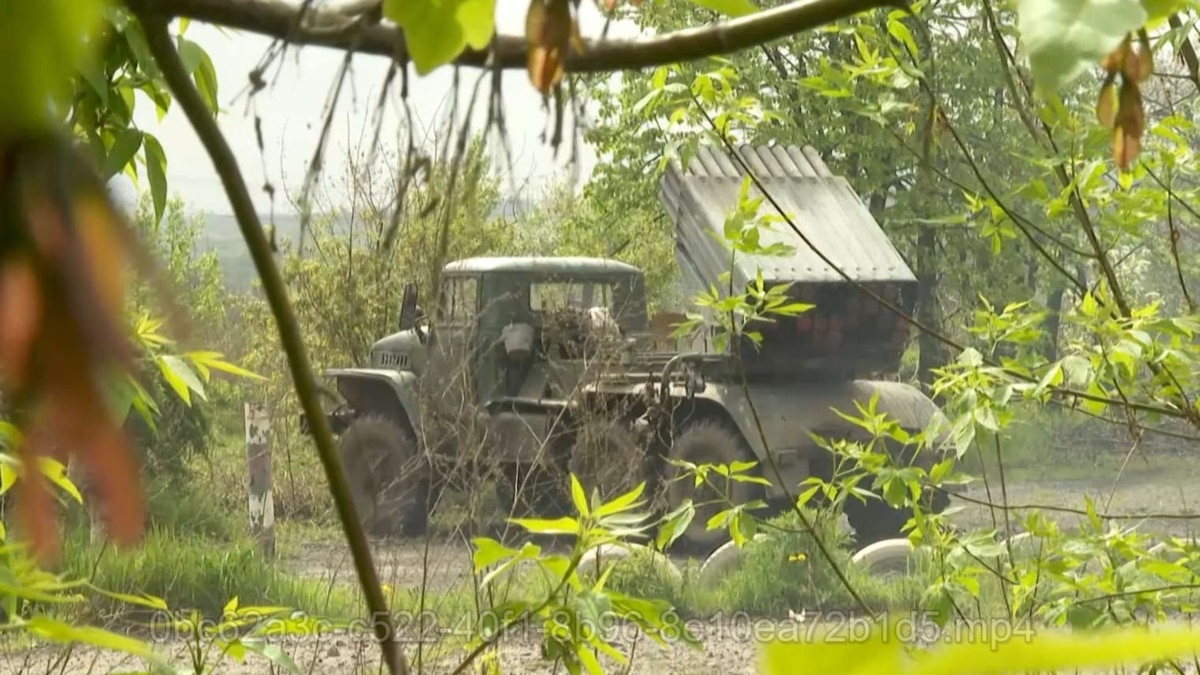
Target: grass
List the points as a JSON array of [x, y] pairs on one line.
[[195, 556], [1043, 445]]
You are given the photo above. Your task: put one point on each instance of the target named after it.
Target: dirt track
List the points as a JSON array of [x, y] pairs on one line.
[[1167, 486]]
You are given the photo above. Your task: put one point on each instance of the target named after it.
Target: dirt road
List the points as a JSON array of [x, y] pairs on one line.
[[1166, 485]]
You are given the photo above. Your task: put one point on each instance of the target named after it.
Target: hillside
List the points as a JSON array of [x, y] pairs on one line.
[[221, 234]]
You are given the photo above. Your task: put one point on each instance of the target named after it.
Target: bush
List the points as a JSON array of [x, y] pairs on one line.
[[786, 570]]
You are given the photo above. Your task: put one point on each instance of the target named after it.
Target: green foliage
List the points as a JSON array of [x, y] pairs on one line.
[[186, 570], [881, 648], [105, 96], [573, 613], [785, 570], [1066, 37], [50, 41], [438, 30], [734, 8]]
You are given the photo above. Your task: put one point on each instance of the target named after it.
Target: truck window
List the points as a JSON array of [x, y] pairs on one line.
[[549, 296], [459, 299]]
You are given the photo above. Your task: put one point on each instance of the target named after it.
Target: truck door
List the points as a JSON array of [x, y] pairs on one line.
[[451, 372]]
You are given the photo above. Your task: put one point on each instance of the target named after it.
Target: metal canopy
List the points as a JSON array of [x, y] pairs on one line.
[[823, 206]]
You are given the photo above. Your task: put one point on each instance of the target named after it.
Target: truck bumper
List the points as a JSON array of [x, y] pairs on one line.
[[338, 420]]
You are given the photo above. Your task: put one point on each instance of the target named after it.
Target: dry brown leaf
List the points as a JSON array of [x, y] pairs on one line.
[[545, 68], [1114, 61], [1130, 125], [63, 291], [1106, 106], [550, 30]]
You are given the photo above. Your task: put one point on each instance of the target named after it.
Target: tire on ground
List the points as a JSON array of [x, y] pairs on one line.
[[536, 492], [597, 559], [706, 442], [724, 561], [875, 520], [886, 557], [389, 479], [606, 455]]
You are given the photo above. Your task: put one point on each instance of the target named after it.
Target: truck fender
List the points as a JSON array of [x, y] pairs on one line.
[[788, 411], [380, 390]]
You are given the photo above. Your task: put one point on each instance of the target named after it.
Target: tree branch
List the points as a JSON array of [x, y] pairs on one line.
[[330, 28], [175, 74]]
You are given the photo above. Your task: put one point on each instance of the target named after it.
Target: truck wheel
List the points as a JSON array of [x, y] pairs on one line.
[[706, 442], [606, 455], [531, 493], [389, 480], [875, 520]]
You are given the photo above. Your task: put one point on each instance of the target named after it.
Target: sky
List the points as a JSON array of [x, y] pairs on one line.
[[293, 109]]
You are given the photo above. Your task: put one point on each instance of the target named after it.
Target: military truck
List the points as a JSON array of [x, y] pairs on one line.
[[529, 367]]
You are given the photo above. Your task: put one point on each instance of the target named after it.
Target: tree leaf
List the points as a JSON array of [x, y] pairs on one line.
[[206, 81], [123, 149], [92, 71], [156, 169], [215, 361], [56, 472], [437, 31], [1064, 37], [562, 525], [181, 377], [136, 39], [734, 8], [191, 54], [578, 497], [489, 551]]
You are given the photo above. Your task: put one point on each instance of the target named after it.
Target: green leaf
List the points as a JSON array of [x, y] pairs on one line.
[[270, 652], [56, 471], [488, 552], [733, 8], [144, 600], [675, 524], [1159, 10], [578, 497], [66, 633], [215, 361], [206, 81], [122, 152], [136, 39], [92, 71], [181, 377], [191, 54], [1061, 651], [437, 31], [621, 502], [156, 169], [564, 525], [8, 477], [1065, 37]]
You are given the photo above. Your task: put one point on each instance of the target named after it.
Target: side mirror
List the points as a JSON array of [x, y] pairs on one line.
[[409, 310]]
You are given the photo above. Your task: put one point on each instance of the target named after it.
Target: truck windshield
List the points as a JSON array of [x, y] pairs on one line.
[[549, 296]]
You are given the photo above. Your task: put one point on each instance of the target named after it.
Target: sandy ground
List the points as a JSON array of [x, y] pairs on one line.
[[1167, 485]]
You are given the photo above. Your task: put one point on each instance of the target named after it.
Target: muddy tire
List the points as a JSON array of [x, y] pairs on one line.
[[532, 493], [705, 442], [876, 520], [389, 479], [607, 456]]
